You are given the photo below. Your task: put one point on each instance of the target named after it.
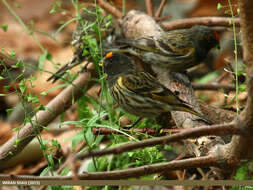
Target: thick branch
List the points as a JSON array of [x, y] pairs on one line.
[[223, 129], [189, 22], [206, 161], [54, 108]]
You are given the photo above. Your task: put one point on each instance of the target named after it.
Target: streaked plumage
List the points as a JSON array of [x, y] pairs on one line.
[[85, 26], [176, 50], [138, 92]]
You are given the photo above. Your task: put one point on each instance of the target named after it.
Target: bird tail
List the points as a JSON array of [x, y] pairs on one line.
[[63, 70], [186, 108]]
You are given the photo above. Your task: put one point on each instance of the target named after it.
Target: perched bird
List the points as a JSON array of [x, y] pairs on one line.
[[138, 92], [85, 37], [176, 50]]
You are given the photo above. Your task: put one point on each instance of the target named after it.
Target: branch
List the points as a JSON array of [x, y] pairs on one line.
[[160, 9], [107, 131], [223, 129], [205, 161], [213, 86], [209, 21], [149, 7], [110, 9], [42, 118]]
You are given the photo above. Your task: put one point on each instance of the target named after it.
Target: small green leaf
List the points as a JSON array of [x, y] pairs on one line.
[[22, 87], [19, 64], [238, 11], [42, 59], [43, 93], [16, 142], [6, 88], [4, 27], [9, 111], [41, 107], [242, 87], [13, 53], [219, 6], [230, 22], [44, 172], [58, 3]]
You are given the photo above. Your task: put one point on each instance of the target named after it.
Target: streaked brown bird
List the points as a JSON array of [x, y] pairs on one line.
[[87, 30], [176, 50], [138, 92]]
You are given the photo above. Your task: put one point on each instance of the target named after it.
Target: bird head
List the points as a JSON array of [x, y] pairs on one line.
[[206, 37], [117, 63]]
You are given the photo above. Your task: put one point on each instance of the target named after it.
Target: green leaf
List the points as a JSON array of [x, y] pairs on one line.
[[242, 87], [6, 88], [13, 53], [9, 111], [89, 136], [42, 59], [16, 142], [242, 173], [219, 6], [41, 107], [4, 27], [208, 77], [44, 172], [19, 64], [43, 93], [238, 11]]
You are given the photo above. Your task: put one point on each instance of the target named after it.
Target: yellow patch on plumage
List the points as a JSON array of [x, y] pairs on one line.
[[120, 82]]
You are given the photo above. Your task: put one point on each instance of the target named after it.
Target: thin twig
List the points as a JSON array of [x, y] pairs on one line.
[[106, 131], [160, 19], [149, 7], [212, 86], [205, 161], [222, 129], [209, 21], [160, 9], [109, 8]]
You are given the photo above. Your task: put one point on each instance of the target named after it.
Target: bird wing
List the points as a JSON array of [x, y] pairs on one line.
[[146, 85], [175, 45]]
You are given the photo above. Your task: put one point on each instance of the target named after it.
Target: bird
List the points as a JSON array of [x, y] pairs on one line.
[[138, 92], [85, 37], [175, 50]]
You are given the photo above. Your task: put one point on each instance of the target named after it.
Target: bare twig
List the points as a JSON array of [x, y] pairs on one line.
[[149, 7], [160, 9], [111, 9], [106, 131], [54, 108], [212, 86], [204, 161], [222, 129], [189, 22], [160, 19]]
